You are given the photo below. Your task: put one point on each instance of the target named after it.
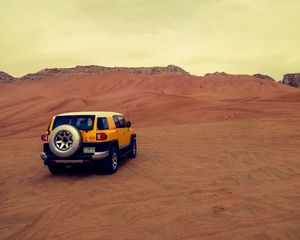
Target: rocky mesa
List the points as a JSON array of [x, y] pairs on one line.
[[262, 76], [5, 77], [94, 69], [292, 79]]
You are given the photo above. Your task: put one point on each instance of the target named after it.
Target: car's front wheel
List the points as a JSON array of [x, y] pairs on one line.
[[133, 149], [112, 161]]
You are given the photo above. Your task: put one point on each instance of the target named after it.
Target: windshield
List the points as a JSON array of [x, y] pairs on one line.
[[82, 122]]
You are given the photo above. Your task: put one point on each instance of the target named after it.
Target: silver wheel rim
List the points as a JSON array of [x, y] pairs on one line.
[[63, 140], [134, 148], [114, 161]]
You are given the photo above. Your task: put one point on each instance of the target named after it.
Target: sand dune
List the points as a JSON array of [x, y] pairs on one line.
[[218, 159], [148, 98]]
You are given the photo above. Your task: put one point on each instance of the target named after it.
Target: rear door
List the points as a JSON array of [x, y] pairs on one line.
[[122, 131], [84, 123]]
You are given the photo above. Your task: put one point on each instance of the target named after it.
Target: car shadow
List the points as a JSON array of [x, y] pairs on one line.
[[88, 170]]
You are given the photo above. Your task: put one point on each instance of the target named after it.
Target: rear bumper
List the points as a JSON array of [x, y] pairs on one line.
[[88, 158], [101, 152]]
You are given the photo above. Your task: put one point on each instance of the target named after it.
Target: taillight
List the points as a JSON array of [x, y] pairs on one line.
[[101, 136], [44, 137]]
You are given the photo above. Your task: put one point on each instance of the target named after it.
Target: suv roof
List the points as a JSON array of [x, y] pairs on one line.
[[98, 114]]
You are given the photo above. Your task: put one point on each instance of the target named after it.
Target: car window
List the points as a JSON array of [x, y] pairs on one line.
[[82, 122], [122, 121], [102, 123], [116, 120], [119, 121]]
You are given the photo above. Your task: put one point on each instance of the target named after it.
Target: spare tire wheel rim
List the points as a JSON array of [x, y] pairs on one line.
[[63, 140]]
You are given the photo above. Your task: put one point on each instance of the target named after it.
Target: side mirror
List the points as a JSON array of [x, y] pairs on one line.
[[128, 124]]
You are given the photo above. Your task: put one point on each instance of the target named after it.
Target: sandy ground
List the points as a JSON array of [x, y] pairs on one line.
[[207, 168]]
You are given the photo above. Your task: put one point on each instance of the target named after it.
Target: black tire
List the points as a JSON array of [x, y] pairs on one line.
[[55, 169], [133, 149], [112, 161]]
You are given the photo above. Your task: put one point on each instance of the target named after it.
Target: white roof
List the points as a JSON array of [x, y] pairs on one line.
[[98, 114]]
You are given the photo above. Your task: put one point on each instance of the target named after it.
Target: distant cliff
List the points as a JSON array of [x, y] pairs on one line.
[[171, 69], [149, 71], [262, 76], [257, 75], [292, 79], [5, 77]]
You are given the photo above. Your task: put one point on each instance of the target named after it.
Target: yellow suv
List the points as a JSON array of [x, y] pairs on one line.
[[88, 138]]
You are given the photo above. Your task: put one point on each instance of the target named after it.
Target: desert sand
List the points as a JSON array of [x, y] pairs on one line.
[[218, 158]]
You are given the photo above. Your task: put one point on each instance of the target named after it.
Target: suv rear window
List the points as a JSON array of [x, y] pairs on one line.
[[81, 122], [102, 123]]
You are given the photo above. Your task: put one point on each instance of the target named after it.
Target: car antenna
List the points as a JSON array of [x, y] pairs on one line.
[[127, 112]]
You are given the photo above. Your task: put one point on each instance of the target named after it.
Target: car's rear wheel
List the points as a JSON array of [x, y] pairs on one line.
[[55, 169], [112, 161], [133, 149]]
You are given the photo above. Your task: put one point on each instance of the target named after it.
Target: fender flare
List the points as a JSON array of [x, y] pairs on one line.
[[114, 143]]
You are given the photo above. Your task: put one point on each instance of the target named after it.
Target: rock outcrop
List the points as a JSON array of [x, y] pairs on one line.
[[6, 78], [258, 75], [149, 71], [262, 76], [216, 74], [292, 79]]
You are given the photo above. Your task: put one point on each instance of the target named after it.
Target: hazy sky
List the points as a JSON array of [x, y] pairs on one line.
[[235, 36]]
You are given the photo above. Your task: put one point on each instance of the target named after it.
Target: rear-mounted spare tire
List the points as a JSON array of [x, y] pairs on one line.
[[65, 141]]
